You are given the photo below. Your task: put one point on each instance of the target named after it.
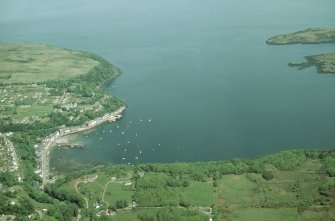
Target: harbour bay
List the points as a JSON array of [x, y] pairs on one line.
[[202, 87]]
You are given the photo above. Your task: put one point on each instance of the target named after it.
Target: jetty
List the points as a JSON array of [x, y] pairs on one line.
[[69, 145]]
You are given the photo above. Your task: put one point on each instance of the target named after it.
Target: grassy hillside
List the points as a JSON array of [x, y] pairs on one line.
[[308, 36], [27, 63], [37, 80]]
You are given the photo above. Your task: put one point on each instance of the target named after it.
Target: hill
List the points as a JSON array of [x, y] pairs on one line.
[[33, 63]]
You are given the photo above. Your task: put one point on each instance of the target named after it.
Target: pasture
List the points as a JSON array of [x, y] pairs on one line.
[[32, 63]]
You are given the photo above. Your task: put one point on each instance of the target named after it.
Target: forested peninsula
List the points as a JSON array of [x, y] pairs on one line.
[[47, 92]]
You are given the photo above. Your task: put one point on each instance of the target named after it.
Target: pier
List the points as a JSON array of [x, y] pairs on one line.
[[70, 145]]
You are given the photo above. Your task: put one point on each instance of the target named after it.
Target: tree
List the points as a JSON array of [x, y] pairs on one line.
[[120, 204], [267, 175], [8, 179]]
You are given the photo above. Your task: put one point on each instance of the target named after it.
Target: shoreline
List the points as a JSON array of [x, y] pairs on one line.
[[49, 142]]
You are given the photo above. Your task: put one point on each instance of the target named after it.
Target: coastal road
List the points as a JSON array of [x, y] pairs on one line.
[[45, 163]]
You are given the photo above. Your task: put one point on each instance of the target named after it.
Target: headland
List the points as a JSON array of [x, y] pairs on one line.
[[307, 36], [48, 93]]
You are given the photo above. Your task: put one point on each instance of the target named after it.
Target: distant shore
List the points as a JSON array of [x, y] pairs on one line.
[[325, 63], [61, 135], [307, 36]]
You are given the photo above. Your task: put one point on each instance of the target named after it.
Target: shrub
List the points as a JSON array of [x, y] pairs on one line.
[[267, 175], [329, 166], [120, 204], [287, 160]]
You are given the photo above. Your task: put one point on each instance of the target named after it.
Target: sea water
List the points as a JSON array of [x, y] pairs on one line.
[[199, 81]]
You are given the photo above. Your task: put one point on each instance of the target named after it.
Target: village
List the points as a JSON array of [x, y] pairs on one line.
[[28, 103], [9, 160]]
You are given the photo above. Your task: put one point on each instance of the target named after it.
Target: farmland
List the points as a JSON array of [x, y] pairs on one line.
[[302, 191]]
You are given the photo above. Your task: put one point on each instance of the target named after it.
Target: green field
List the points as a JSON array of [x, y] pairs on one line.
[[301, 190], [238, 190], [199, 193], [117, 191], [280, 214], [290, 195], [126, 216], [37, 110], [160, 214], [27, 63]]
